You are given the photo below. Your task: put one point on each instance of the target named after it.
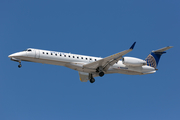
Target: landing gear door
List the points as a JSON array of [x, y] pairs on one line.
[[37, 54]]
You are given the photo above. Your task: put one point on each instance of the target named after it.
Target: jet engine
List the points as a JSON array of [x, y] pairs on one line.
[[131, 61]]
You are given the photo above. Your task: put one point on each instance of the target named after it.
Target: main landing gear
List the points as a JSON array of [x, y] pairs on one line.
[[19, 66], [101, 74], [100, 71], [92, 80]]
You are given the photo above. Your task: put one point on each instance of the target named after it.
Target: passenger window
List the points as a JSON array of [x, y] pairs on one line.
[[81, 57], [47, 53], [73, 56], [64, 55], [86, 58], [77, 57], [56, 54], [90, 59], [43, 52], [69, 56], [51, 54], [60, 54], [95, 59]]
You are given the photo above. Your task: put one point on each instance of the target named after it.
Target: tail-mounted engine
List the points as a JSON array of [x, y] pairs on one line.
[[131, 61]]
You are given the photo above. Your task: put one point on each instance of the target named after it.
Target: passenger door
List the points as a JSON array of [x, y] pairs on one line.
[[37, 54]]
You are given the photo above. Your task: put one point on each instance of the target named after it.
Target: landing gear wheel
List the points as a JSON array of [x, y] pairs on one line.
[[101, 74], [92, 80], [19, 65]]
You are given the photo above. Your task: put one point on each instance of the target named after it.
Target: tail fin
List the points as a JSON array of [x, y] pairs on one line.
[[154, 57]]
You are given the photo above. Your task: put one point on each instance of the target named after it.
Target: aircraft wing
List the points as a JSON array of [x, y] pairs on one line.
[[105, 63]]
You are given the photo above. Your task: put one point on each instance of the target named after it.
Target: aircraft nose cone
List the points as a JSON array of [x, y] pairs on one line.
[[12, 55], [9, 56], [18, 54]]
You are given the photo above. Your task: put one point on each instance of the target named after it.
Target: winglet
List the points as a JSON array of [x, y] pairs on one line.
[[132, 45]]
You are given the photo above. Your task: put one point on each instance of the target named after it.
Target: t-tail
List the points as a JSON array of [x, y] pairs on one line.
[[154, 57]]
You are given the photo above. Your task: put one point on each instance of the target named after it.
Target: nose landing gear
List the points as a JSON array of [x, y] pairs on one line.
[[19, 66]]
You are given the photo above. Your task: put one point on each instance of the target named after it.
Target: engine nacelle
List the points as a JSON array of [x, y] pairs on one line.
[[131, 61]]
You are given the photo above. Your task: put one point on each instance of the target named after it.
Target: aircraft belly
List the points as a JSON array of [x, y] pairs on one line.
[[130, 70], [75, 66], [79, 68], [43, 61], [122, 71]]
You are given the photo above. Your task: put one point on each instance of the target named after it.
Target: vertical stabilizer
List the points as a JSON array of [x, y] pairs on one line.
[[154, 57]]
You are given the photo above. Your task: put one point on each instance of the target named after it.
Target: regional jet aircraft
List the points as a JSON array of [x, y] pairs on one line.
[[90, 67]]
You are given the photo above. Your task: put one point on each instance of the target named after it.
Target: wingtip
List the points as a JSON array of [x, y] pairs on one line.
[[132, 47], [170, 46]]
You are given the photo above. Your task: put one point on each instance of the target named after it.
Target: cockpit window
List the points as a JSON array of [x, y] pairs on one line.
[[27, 50]]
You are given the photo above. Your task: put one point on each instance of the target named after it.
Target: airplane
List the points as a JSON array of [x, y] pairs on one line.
[[90, 67]]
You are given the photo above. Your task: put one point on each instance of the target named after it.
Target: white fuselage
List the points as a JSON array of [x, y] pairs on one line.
[[76, 62]]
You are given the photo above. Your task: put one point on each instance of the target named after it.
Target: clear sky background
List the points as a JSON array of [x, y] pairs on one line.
[[95, 28]]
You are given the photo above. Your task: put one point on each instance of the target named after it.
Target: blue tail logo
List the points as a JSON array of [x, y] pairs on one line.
[[154, 57]]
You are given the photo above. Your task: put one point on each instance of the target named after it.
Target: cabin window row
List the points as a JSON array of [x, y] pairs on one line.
[[68, 56]]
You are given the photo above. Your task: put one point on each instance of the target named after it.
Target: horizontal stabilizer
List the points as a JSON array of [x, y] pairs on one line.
[[162, 49]]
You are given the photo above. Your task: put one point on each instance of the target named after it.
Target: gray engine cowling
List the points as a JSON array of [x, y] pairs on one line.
[[131, 61]]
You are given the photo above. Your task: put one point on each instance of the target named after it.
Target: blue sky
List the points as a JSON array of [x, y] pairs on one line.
[[95, 28]]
